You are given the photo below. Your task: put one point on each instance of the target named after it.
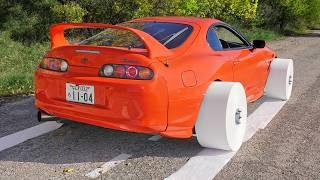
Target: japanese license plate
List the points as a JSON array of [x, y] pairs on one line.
[[80, 93]]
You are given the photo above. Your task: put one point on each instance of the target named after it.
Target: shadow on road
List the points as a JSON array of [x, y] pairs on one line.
[[78, 143], [86, 147]]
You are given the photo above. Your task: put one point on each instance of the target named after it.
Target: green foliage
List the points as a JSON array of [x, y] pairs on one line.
[[108, 11], [243, 9], [17, 64], [289, 14], [313, 13], [233, 10], [28, 20], [24, 24], [70, 12], [258, 33]]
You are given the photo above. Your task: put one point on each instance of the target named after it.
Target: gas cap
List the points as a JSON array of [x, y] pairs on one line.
[[189, 78]]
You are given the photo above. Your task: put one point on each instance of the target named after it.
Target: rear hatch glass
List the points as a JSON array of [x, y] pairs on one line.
[[103, 37], [171, 35]]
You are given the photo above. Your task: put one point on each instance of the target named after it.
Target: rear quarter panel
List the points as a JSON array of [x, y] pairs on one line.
[[185, 99]]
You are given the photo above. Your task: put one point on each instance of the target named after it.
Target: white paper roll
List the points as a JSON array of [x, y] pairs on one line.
[[280, 79], [222, 118]]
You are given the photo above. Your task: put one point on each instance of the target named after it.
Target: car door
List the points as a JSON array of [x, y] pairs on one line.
[[250, 67]]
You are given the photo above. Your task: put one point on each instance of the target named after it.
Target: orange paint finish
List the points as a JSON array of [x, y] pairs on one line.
[[169, 103], [119, 103], [189, 79]]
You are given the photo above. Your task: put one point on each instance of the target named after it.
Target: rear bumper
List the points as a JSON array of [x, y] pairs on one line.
[[129, 105]]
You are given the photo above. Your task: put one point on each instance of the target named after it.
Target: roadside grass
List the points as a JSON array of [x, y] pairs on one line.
[[17, 65], [261, 34], [18, 61]]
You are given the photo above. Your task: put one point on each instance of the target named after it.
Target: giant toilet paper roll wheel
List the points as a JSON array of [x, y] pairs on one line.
[[222, 117], [280, 79]]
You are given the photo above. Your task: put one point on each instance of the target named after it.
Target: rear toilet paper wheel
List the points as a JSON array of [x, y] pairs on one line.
[[280, 79], [222, 117]]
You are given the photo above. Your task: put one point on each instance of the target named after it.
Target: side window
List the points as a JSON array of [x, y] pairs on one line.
[[226, 38], [213, 40]]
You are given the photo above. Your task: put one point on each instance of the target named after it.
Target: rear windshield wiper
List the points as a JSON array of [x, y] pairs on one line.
[[175, 35]]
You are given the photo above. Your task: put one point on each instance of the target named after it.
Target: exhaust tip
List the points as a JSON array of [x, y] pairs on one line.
[[43, 116]]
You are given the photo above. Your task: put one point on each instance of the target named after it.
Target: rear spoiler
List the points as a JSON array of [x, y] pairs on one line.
[[154, 47]]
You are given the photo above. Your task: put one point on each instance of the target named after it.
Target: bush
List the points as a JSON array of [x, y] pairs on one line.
[[17, 64], [232, 11], [70, 12], [313, 13], [26, 22], [243, 10], [29, 20], [108, 11], [289, 15]]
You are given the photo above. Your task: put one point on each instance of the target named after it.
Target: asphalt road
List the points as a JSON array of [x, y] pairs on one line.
[[287, 149]]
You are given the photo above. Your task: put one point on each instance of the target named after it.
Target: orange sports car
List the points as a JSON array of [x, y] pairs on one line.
[[173, 76]]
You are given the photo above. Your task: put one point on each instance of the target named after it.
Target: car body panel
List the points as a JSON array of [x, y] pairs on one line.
[[169, 103], [120, 104]]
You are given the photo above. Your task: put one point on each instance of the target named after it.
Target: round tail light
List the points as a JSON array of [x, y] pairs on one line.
[[126, 72], [145, 73], [119, 71], [107, 70], [63, 66], [132, 72], [54, 64]]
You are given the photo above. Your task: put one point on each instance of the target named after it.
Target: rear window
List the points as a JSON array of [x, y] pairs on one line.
[[171, 35], [103, 37]]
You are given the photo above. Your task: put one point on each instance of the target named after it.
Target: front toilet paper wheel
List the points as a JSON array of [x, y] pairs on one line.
[[222, 117], [280, 79]]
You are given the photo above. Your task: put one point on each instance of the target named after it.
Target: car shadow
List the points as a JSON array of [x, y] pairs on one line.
[[81, 143]]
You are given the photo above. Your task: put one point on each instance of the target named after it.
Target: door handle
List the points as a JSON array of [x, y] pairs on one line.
[[236, 62]]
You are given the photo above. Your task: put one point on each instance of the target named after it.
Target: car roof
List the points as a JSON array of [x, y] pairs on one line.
[[180, 19]]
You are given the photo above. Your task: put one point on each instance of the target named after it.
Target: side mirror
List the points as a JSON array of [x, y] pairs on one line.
[[259, 43]]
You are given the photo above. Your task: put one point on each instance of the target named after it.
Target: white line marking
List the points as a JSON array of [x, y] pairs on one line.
[[108, 165], [262, 116], [209, 162], [205, 165], [155, 138], [26, 134]]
